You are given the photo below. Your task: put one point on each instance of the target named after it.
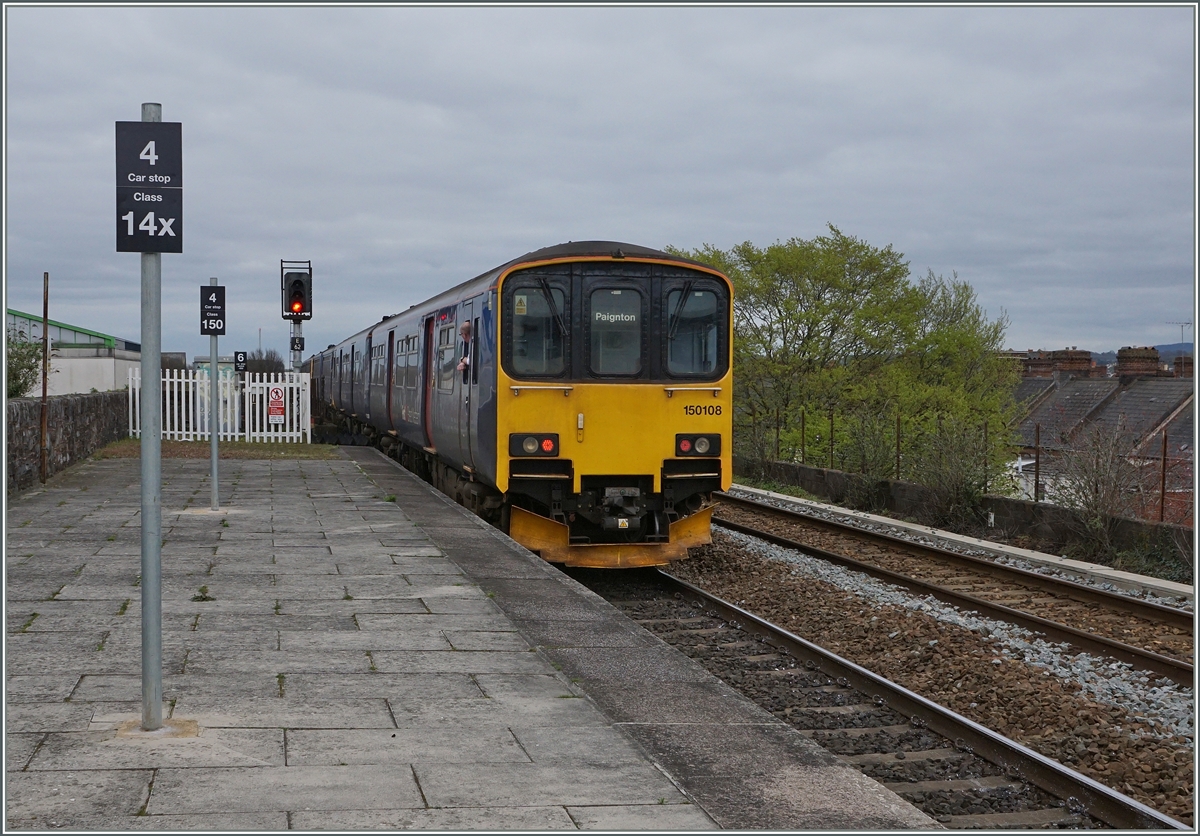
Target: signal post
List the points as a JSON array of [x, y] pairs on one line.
[[296, 300]]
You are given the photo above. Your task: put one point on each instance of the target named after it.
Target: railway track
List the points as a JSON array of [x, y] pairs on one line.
[[957, 771], [1147, 635]]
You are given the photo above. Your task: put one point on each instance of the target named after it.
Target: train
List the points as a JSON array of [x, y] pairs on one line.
[[579, 397]]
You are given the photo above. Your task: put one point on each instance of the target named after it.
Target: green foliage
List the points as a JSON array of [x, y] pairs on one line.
[[24, 363], [835, 326]]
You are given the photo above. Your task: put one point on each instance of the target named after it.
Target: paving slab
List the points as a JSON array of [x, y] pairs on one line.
[[335, 660]]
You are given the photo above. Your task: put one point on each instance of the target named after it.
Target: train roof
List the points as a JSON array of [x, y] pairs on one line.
[[583, 249], [571, 249]]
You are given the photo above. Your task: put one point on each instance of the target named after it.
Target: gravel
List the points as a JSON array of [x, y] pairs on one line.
[[832, 514], [1169, 709], [1103, 721]]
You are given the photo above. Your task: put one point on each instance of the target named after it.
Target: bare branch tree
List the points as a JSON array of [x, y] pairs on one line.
[[1098, 481]]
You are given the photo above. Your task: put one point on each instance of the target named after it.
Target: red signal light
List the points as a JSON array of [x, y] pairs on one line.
[[548, 445], [297, 306], [685, 445]]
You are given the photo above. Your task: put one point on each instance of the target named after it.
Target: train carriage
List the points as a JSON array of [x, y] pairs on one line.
[[578, 396]]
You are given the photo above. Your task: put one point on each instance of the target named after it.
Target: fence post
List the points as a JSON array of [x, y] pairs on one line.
[[803, 440], [776, 433], [897, 445], [831, 439], [985, 455], [1037, 462], [1162, 491]]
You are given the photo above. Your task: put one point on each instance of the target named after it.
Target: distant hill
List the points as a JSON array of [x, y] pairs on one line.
[[1166, 353]]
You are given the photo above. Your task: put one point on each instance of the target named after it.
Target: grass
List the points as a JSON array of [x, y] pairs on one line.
[[124, 606], [203, 596], [131, 448], [28, 622]]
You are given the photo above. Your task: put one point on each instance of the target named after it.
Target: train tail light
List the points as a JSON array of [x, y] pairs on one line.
[[697, 445], [533, 444]]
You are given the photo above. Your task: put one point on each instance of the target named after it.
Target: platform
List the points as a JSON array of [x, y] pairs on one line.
[[334, 659]]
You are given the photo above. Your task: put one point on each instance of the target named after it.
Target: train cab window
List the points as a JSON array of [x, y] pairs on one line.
[[693, 322], [615, 326], [447, 361], [538, 344]]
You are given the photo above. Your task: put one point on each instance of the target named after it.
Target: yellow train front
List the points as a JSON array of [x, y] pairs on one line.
[[580, 396], [614, 404]]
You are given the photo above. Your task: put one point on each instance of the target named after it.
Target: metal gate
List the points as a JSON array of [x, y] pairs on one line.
[[267, 407]]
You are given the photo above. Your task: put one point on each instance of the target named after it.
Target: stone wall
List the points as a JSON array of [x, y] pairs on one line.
[[76, 426], [1050, 524]]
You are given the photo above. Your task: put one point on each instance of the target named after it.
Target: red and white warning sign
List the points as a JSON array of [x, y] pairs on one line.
[[276, 411]]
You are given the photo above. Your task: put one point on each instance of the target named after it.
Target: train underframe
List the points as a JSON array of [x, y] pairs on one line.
[[614, 521]]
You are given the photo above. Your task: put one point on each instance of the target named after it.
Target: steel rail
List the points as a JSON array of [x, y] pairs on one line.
[[1080, 792], [1175, 669], [1149, 610]]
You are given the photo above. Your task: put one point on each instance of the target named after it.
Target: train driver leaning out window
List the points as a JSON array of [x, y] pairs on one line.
[[464, 364]]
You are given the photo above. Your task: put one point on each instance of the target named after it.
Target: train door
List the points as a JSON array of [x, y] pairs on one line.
[[428, 361], [465, 389], [391, 354], [368, 362]]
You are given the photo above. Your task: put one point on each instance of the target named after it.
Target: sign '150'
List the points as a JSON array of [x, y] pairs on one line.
[[149, 187]]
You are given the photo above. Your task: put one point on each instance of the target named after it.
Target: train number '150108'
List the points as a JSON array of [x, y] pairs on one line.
[[700, 409]]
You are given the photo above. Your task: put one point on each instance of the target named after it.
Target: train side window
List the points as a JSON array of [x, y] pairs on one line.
[[538, 343], [615, 326], [446, 359], [693, 321]]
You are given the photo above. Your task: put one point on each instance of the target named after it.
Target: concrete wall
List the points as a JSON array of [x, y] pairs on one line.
[[1016, 517], [80, 370], [77, 426]]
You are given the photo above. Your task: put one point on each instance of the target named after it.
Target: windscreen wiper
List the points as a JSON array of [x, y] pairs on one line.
[[562, 326], [673, 322]]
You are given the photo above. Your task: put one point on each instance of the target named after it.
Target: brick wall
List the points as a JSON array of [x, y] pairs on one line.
[[77, 426]]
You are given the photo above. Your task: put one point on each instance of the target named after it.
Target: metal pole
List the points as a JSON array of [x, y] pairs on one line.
[[214, 425], [151, 407], [831, 439], [1037, 462], [985, 456], [803, 441], [897, 446], [1162, 491], [45, 441]]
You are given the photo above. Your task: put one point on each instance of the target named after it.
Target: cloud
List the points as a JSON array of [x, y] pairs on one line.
[[1045, 154]]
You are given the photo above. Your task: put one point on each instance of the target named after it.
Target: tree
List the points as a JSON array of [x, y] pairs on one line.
[[834, 325], [23, 363], [260, 363], [1098, 481]]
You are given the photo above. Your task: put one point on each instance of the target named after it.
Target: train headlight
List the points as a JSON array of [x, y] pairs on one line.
[[530, 445], [702, 445]]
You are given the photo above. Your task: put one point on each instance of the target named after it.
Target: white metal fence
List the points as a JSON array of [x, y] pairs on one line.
[[250, 407]]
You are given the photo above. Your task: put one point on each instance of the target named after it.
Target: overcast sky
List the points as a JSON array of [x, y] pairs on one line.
[[1046, 155]]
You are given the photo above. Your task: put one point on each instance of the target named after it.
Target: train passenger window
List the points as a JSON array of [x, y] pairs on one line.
[[538, 344], [410, 380], [693, 323], [615, 324], [447, 361]]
